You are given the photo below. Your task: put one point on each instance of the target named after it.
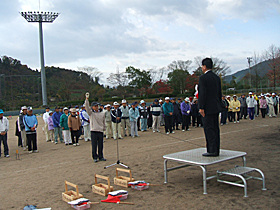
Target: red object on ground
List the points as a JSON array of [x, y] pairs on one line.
[[112, 199]]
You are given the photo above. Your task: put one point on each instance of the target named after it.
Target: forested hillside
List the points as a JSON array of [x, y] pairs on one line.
[[20, 85]]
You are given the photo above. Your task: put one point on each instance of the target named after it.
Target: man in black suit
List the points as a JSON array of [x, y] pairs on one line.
[[209, 104]]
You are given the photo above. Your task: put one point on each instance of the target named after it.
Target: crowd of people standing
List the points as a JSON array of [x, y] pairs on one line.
[[66, 125]]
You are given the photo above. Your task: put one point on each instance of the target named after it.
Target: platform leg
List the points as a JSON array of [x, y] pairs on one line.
[[204, 179], [244, 161], [263, 179], [165, 171]]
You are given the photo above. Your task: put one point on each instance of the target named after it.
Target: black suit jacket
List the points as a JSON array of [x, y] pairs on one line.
[[209, 93]]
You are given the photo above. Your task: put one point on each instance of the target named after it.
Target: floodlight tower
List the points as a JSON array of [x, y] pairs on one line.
[[46, 17]]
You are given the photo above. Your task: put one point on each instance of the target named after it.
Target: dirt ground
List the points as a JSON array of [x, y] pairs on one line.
[[38, 179]]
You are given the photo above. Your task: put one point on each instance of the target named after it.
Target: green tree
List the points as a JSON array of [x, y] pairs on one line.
[[177, 80], [139, 79]]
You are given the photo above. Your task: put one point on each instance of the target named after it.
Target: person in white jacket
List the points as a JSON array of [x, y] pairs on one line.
[[85, 123], [4, 127], [269, 102], [46, 128], [251, 105]]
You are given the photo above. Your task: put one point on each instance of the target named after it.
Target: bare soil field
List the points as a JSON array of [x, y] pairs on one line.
[[38, 178]]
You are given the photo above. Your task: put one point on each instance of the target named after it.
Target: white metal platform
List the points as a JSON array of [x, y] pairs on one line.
[[194, 158]]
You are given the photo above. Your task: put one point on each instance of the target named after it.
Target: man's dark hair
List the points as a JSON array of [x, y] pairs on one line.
[[208, 63]]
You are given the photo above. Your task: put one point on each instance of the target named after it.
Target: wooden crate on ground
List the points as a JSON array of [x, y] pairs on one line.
[[71, 195], [123, 180], [102, 189]]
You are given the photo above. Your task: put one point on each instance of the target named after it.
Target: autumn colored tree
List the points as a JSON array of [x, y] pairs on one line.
[[191, 81]]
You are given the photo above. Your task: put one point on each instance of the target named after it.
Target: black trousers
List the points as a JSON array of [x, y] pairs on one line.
[[224, 115], [168, 123], [19, 140], [234, 114], [212, 132], [31, 141], [97, 140], [263, 112], [243, 112], [185, 123], [175, 121], [75, 134], [230, 116], [275, 109], [5, 144]]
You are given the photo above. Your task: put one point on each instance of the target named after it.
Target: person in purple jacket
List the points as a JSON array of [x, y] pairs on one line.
[[56, 124], [50, 126], [186, 111]]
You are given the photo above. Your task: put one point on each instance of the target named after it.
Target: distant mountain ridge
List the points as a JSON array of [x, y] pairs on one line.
[[262, 68]]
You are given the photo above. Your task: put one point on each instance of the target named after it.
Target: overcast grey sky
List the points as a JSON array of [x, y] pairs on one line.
[[144, 33]]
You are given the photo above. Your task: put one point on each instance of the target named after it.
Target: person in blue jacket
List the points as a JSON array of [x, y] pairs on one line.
[[186, 112], [168, 112], [31, 123], [133, 116], [56, 124]]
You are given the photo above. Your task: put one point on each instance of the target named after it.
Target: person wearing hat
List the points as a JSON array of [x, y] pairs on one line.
[[256, 110], [186, 113], [175, 115], [271, 112], [224, 111], [125, 118], [161, 113], [50, 126], [46, 129], [108, 121], [155, 110], [31, 123], [97, 127], [65, 128], [263, 105], [243, 107], [4, 127], [275, 103], [74, 124], [116, 116], [251, 105], [57, 128], [143, 115], [229, 109], [133, 117], [235, 104], [22, 127], [209, 104], [196, 117], [85, 123], [168, 112]]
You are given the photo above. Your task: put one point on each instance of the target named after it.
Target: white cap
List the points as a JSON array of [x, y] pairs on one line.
[[73, 110], [250, 93], [65, 108], [142, 101], [262, 95], [234, 96], [228, 96], [116, 103], [24, 107], [160, 100], [123, 101], [187, 99], [167, 98], [273, 94], [50, 111]]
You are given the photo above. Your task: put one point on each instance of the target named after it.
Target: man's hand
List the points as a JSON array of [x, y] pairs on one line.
[[171, 113], [62, 128], [33, 129], [201, 111], [87, 95], [118, 118], [3, 133]]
